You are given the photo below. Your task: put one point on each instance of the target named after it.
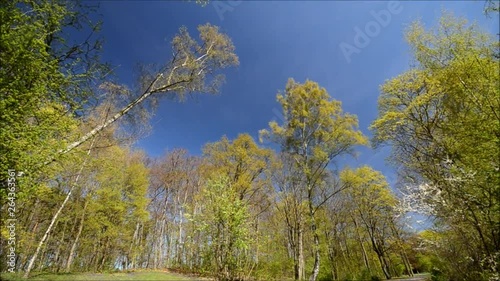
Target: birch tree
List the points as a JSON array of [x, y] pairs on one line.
[[291, 198], [315, 131], [193, 68]]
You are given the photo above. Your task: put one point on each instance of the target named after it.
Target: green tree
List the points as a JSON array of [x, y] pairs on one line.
[[244, 164], [224, 221], [291, 207], [115, 205], [442, 119], [315, 131], [47, 83], [106, 138], [42, 84], [242, 161], [374, 205]]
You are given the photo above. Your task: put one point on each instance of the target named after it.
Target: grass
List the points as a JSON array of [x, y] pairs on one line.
[[417, 276], [138, 276]]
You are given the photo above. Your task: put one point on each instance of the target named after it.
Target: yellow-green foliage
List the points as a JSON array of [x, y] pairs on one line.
[[314, 125], [242, 161], [443, 121], [224, 223]]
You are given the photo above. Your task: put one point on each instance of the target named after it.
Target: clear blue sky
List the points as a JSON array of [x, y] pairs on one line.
[[274, 41]]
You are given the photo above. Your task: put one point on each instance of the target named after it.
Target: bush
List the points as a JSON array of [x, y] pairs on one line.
[[365, 275], [437, 275], [400, 269], [325, 277], [424, 263]]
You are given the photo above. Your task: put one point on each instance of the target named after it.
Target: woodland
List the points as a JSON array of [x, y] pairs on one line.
[[77, 196]]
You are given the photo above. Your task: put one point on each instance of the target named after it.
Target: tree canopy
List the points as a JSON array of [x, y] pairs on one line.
[[442, 120], [78, 195]]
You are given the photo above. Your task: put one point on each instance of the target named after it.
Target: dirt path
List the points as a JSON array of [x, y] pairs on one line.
[[420, 277]]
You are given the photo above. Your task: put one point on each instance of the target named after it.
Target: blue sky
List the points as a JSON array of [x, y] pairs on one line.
[[274, 41]]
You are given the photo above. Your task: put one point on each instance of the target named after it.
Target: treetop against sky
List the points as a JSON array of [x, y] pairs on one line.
[[180, 180], [350, 48]]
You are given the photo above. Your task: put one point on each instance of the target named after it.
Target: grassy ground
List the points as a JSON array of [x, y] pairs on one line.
[[138, 276]]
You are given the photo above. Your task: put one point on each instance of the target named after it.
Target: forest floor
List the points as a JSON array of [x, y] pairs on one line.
[[138, 276]]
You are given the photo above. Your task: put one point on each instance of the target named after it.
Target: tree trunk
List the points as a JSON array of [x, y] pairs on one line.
[[47, 232], [385, 266], [407, 263], [346, 254], [131, 262], [382, 259], [149, 91], [59, 245], [315, 271], [33, 219], [77, 238], [332, 251], [301, 263], [365, 256], [179, 240], [56, 215], [157, 245], [93, 257], [295, 235], [404, 256]]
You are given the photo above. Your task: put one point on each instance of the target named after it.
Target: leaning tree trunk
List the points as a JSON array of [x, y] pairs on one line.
[[197, 68], [56, 215], [382, 259]]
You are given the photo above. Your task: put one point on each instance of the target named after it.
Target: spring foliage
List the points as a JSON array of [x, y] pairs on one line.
[[442, 119], [240, 211]]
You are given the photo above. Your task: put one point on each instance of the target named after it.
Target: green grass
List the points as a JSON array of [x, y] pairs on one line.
[[419, 276], [139, 276]]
